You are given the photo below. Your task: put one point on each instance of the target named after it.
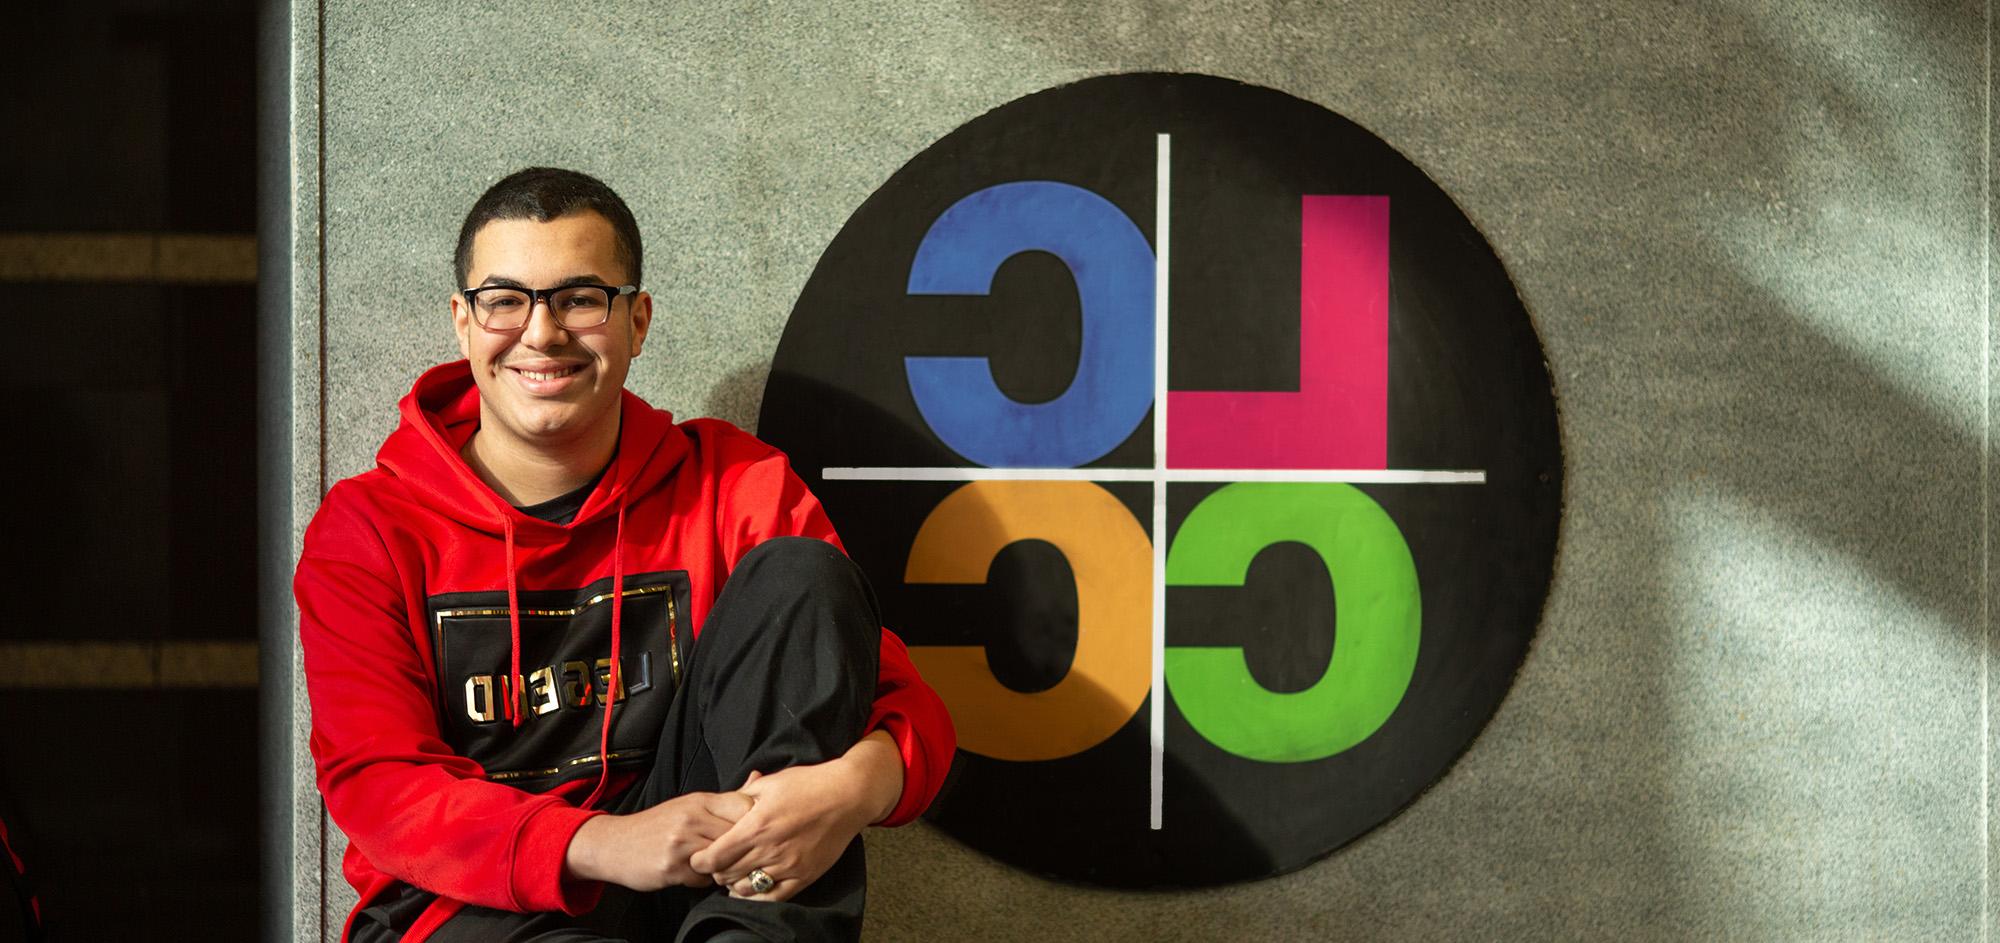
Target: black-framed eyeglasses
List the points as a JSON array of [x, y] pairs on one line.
[[504, 308]]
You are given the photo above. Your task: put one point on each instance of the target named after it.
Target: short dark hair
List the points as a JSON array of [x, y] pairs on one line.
[[543, 194]]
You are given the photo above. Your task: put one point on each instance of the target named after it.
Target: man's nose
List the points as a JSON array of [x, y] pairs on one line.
[[542, 329]]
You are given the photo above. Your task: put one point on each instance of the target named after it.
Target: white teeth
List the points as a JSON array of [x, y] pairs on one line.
[[550, 375]]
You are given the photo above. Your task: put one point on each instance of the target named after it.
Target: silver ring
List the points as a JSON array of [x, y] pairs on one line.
[[760, 882]]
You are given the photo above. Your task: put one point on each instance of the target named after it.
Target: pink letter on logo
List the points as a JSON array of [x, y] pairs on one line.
[[1339, 418]]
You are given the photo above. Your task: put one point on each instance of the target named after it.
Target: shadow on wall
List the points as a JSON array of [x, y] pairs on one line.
[[737, 396]]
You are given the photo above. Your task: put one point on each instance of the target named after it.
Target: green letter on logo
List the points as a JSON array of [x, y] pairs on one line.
[[1377, 616]]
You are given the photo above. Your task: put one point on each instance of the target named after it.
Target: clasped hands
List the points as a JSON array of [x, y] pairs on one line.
[[792, 824]]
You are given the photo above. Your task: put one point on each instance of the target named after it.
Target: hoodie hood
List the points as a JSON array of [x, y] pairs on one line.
[[440, 414]]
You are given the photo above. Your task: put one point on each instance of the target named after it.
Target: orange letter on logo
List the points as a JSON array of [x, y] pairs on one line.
[[1111, 560]]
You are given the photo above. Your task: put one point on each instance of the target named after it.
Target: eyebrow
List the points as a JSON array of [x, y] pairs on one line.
[[573, 280]]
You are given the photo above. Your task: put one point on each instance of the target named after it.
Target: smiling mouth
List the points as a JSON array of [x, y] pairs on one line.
[[548, 374]]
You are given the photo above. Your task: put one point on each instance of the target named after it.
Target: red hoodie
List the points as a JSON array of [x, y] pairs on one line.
[[423, 597]]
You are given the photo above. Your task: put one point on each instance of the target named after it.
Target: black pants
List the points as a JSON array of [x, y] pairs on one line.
[[783, 675]]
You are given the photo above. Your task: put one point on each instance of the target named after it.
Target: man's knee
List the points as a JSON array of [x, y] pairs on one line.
[[804, 568], [792, 585], [797, 561]]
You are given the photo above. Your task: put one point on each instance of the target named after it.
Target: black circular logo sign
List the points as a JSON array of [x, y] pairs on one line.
[[1205, 457]]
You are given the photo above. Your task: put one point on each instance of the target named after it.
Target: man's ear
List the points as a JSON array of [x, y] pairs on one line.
[[461, 324], [642, 320]]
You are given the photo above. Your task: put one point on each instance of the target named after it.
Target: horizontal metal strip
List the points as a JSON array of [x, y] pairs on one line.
[[128, 665], [1359, 476], [149, 258]]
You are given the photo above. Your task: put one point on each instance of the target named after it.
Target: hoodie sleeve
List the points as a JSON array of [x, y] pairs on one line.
[[761, 498], [411, 806]]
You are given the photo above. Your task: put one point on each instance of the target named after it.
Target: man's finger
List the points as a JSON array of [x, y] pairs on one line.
[[691, 817], [731, 846], [723, 851], [708, 828], [729, 806], [720, 859]]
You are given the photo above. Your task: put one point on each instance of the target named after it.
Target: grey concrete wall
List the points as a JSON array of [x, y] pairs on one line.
[[1754, 237]]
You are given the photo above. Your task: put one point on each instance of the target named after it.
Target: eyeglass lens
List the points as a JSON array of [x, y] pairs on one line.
[[504, 309]]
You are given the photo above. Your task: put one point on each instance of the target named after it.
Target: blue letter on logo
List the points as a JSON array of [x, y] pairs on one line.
[[1113, 267]]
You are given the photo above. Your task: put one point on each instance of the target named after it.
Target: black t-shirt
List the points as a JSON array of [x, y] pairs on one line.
[[562, 508]]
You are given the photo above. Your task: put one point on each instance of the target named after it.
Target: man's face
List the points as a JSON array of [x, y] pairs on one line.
[[545, 385]]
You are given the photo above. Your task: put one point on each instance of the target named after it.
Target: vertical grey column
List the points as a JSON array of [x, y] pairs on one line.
[[289, 452], [1990, 514]]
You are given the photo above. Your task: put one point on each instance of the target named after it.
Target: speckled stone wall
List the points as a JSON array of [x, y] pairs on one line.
[[1754, 238]]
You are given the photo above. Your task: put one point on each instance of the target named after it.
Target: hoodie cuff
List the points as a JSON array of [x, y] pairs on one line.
[[916, 790], [537, 881]]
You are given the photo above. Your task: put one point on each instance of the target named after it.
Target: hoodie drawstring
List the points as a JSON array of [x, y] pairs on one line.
[[616, 683], [518, 694]]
